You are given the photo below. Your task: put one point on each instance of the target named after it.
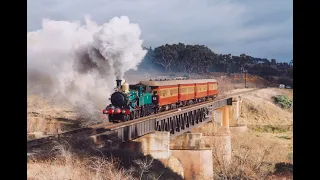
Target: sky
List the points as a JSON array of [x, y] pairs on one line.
[[259, 28]]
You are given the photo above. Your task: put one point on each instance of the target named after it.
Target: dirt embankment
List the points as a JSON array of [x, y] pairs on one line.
[[259, 108]]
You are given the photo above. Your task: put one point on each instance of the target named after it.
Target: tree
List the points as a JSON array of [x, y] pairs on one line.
[[165, 55]]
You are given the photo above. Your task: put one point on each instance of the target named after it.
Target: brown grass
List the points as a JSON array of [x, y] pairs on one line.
[[43, 115], [258, 108], [66, 165], [255, 155]]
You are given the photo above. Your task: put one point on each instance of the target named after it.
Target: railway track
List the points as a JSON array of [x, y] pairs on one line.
[[97, 129]]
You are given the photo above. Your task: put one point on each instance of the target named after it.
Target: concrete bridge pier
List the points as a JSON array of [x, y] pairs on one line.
[[225, 120], [236, 112], [195, 158], [155, 144], [235, 127], [220, 141]]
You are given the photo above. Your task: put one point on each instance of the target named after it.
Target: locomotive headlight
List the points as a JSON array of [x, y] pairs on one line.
[[117, 110], [110, 110], [123, 111]]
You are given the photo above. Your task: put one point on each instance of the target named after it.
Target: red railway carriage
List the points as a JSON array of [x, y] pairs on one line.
[[186, 90], [167, 91], [201, 88], [172, 93], [213, 88]]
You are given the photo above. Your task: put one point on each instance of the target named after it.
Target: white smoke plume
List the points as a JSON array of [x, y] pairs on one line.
[[82, 62]]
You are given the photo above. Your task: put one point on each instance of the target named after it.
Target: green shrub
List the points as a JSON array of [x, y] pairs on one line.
[[283, 101]]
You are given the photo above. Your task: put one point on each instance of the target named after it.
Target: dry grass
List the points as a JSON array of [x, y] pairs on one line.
[[42, 116], [66, 165], [254, 157], [258, 108], [79, 160]]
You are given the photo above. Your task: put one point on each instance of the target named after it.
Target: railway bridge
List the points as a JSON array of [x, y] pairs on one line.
[[168, 136]]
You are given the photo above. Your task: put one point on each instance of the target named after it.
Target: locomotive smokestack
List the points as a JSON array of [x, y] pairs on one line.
[[119, 83]]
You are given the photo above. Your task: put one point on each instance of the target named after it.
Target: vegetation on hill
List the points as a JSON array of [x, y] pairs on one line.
[[200, 59], [283, 101]]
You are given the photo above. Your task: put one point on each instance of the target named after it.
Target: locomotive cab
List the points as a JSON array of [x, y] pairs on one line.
[[155, 98]]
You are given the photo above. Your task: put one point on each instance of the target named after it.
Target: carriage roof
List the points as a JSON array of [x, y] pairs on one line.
[[175, 82]]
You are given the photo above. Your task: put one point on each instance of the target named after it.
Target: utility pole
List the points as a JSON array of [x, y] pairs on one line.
[[245, 79]]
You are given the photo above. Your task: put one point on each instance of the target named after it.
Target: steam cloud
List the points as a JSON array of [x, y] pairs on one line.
[[82, 62]]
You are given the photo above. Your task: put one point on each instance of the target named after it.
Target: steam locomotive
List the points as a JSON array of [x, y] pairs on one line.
[[130, 102]]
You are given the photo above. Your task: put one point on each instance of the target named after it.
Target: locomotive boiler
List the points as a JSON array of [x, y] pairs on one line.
[[129, 102]]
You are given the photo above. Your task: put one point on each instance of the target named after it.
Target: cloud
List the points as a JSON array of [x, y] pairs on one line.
[[258, 28]]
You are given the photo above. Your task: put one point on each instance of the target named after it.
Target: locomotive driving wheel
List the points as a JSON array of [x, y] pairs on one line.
[[132, 115]]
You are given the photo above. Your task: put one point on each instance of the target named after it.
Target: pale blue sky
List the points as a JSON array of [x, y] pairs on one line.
[[260, 28]]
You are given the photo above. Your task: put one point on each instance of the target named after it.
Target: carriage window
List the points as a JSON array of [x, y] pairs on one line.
[[191, 89], [163, 92], [183, 90], [174, 91]]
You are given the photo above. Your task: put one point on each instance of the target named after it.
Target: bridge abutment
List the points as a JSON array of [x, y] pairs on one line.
[[156, 144], [235, 127], [219, 139], [195, 158]]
